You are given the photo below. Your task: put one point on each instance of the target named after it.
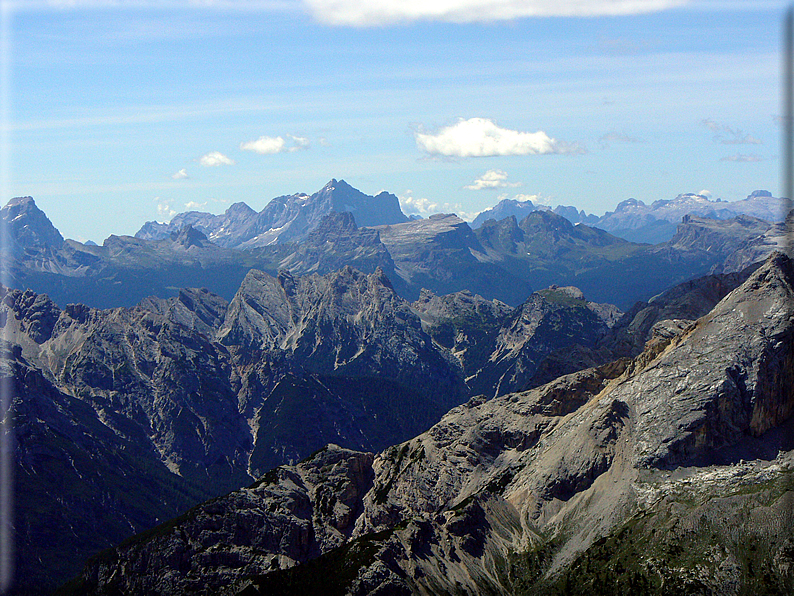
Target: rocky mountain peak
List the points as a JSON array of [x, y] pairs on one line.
[[28, 226], [240, 209], [628, 204]]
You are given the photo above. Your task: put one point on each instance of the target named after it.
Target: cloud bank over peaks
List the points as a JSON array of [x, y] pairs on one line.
[[412, 205], [374, 13], [271, 145], [481, 137], [214, 159], [164, 210], [727, 135], [492, 179]]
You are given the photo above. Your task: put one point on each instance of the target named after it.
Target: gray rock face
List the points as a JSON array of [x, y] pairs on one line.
[[685, 302], [549, 321], [289, 516], [335, 243], [756, 249], [718, 236], [442, 254], [553, 474], [546, 249]]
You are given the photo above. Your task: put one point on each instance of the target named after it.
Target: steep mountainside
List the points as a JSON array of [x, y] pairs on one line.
[[442, 254], [191, 397], [546, 249], [27, 227], [213, 394], [335, 243], [124, 270], [284, 219], [670, 473]]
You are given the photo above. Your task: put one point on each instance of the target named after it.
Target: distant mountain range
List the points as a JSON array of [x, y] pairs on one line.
[[505, 259], [652, 224], [283, 219]]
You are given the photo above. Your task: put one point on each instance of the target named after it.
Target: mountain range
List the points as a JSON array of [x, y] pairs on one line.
[[667, 473], [283, 219], [415, 406], [652, 224], [504, 260]]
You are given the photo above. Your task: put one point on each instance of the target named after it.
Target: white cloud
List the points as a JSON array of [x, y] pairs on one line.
[[194, 206], [300, 143], [164, 210], [735, 136], [271, 145], [705, 193], [492, 179], [367, 13], [481, 137], [180, 175], [743, 158], [411, 205], [214, 159], [264, 145]]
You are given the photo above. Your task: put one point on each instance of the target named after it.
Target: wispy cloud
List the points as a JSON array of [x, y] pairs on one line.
[[616, 137], [368, 13], [481, 137], [743, 158], [180, 175], [492, 179], [248, 5], [727, 135], [214, 159], [270, 145]]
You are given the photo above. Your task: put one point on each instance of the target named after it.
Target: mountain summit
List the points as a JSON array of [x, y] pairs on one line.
[[284, 219], [27, 226]]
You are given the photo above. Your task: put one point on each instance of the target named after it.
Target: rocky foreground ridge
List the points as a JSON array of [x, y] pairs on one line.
[[125, 417], [671, 472]]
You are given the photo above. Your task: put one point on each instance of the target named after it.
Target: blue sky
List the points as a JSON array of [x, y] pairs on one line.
[[120, 114]]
